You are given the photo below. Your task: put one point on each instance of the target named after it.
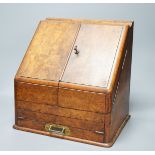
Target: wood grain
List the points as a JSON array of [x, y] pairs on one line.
[[60, 111], [95, 21], [104, 144], [82, 100], [121, 92], [48, 52], [97, 45], [78, 133], [54, 119], [39, 93]]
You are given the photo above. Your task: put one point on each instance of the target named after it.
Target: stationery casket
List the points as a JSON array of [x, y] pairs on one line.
[[74, 80]]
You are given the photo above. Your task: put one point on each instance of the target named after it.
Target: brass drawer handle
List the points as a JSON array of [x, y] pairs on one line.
[[57, 129], [76, 50]]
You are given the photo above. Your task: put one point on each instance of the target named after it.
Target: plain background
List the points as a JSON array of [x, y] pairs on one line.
[[17, 25]]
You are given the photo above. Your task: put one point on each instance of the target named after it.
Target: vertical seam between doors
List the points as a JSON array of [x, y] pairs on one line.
[[71, 49]]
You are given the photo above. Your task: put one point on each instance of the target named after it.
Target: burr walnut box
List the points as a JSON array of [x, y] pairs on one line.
[[74, 80]]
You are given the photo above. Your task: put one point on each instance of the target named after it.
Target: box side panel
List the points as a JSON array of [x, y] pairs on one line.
[[120, 97]]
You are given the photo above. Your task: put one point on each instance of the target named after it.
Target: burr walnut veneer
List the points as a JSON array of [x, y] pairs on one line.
[[74, 80]]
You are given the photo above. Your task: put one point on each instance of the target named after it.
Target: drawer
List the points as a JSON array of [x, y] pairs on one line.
[[71, 122], [40, 94], [60, 111], [74, 132]]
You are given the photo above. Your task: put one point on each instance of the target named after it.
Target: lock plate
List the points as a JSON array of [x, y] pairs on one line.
[[57, 129]]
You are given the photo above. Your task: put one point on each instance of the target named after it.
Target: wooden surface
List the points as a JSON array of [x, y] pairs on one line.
[[121, 93], [82, 100], [98, 46], [42, 60], [55, 119], [38, 93], [49, 50], [95, 21], [75, 132], [121, 99], [60, 111], [109, 144]]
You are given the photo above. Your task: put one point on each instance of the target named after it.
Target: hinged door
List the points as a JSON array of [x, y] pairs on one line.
[[92, 58], [49, 50]]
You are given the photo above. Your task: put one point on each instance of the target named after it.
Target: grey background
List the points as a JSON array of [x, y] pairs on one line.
[[17, 25]]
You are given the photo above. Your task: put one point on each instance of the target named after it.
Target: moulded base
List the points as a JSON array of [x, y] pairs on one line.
[[76, 139]]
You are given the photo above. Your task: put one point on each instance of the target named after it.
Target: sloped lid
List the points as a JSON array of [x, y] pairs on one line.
[[48, 52], [51, 59], [96, 64]]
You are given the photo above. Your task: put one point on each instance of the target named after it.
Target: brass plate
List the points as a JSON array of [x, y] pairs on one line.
[[57, 129]]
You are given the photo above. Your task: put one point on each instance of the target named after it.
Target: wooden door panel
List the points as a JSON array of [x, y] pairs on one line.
[[49, 50], [97, 46]]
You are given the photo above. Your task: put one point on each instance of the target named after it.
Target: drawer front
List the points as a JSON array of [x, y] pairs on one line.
[[59, 111], [82, 100], [71, 122], [36, 93], [74, 132]]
